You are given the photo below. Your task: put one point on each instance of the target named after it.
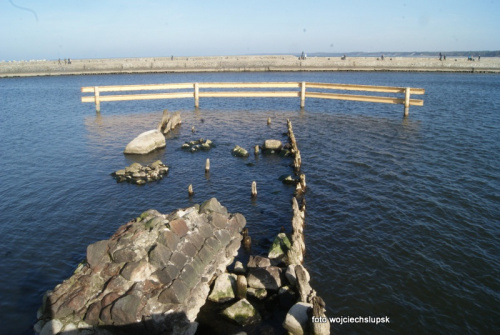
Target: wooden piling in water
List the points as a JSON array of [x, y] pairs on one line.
[[254, 189], [303, 94], [207, 165], [97, 99], [196, 95], [407, 101]]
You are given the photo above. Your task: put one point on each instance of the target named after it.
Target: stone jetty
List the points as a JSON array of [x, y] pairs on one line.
[[174, 274], [151, 277], [257, 63]]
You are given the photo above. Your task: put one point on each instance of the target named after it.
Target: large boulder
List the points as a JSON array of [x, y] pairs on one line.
[[146, 142], [296, 321], [151, 277], [268, 278]]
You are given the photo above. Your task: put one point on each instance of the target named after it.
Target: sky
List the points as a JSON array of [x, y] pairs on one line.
[[53, 29]]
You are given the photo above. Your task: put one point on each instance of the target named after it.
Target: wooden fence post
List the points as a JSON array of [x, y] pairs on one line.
[[303, 94], [97, 100], [196, 95], [407, 101]]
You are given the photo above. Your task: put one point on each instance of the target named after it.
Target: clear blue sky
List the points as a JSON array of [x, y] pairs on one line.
[[54, 29]]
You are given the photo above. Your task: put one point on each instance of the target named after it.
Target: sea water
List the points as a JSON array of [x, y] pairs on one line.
[[403, 214]]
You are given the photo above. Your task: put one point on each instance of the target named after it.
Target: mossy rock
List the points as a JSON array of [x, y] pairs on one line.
[[280, 246]]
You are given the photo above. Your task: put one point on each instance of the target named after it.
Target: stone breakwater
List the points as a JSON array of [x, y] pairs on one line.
[[154, 274], [151, 277], [245, 64]]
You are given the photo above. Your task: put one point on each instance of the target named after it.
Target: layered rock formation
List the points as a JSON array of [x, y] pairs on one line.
[[151, 277]]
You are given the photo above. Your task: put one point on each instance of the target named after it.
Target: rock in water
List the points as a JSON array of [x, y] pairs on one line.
[[280, 247], [138, 174], [195, 146], [296, 321], [150, 277], [275, 145], [239, 152], [169, 122], [242, 312], [146, 142]]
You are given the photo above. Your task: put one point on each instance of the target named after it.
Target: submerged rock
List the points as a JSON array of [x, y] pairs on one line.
[[287, 179], [146, 142]]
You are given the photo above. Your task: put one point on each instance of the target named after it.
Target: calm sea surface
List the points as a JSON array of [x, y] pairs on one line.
[[403, 215]]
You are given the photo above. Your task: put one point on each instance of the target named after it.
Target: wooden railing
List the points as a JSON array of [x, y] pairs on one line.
[[299, 91]]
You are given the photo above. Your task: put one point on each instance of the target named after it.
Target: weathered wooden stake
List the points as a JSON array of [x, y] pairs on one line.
[[302, 179], [196, 95], [190, 190], [407, 101], [97, 100], [256, 150], [207, 165], [254, 189], [303, 94]]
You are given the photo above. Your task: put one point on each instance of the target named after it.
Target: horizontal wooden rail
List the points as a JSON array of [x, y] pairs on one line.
[[366, 88], [366, 98], [193, 91]]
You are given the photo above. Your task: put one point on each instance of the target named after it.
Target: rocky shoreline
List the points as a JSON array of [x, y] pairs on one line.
[[175, 273], [245, 64]]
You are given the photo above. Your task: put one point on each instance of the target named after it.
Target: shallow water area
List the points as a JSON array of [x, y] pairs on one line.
[[402, 214]]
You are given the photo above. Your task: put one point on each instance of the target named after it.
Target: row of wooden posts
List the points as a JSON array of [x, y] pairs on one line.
[[296, 252], [193, 90]]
